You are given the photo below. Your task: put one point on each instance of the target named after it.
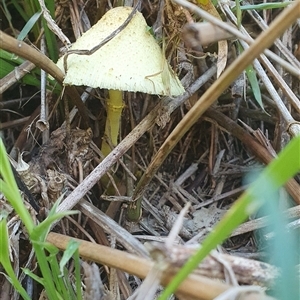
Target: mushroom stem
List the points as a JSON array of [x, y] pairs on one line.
[[114, 111]]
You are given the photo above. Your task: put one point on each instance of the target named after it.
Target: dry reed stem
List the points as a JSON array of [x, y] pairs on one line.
[[194, 286]]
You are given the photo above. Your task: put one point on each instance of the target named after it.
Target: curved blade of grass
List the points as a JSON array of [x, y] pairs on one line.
[[41, 231], [27, 9], [28, 26], [47, 275], [62, 284], [238, 13], [72, 247], [77, 274], [33, 276], [30, 11], [10, 189], [67, 289], [59, 271], [275, 174], [58, 277], [4, 258], [251, 75]]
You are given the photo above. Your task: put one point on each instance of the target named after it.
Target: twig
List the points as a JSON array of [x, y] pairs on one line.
[[252, 225], [110, 226], [52, 25], [42, 124], [15, 75]]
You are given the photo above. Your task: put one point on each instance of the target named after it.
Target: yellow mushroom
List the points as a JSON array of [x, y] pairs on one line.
[[131, 61]]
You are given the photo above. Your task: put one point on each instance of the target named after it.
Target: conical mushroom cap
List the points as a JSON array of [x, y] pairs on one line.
[[131, 61]]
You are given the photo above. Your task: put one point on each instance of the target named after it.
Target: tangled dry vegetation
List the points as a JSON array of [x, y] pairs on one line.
[[60, 148]]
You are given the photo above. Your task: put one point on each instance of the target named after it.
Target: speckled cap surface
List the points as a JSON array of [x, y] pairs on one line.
[[131, 61]]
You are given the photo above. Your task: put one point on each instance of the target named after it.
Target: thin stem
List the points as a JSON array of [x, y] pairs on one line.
[[112, 127]]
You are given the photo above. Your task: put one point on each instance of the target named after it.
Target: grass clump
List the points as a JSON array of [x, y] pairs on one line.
[[53, 277]]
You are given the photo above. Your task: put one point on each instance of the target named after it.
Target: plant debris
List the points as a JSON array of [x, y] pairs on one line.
[[206, 168]]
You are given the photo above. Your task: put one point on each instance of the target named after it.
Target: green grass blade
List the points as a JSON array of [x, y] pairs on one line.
[[33, 276], [9, 61], [60, 272], [287, 286], [28, 26], [5, 260], [5, 168], [251, 75], [50, 42], [61, 282], [72, 247], [27, 9], [41, 231], [20, 9], [238, 13], [77, 274], [275, 174], [11, 191], [37, 234], [71, 250], [45, 270], [10, 57], [5, 67], [54, 266]]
